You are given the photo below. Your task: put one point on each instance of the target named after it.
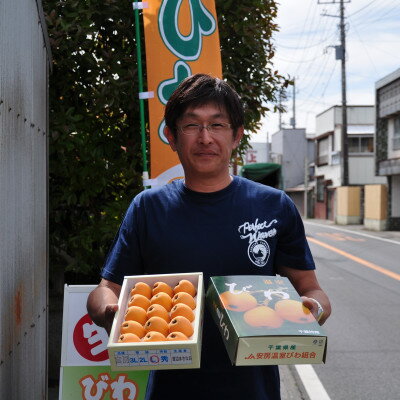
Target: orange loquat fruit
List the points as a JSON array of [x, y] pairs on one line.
[[185, 298], [162, 287], [181, 324], [154, 336], [157, 310], [132, 327], [182, 309], [135, 313], [157, 324], [185, 286], [140, 301], [163, 299], [176, 336], [141, 288], [128, 337]]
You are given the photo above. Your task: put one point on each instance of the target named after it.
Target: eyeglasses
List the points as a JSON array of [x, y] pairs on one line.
[[217, 128]]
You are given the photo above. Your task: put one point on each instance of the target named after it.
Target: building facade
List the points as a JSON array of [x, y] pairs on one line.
[[361, 165], [289, 148], [294, 150], [387, 159]]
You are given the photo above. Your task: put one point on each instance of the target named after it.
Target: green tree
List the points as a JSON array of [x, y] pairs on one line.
[[246, 31], [95, 155]]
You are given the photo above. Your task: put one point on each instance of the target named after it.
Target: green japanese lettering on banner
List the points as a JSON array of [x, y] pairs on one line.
[[167, 87], [187, 47]]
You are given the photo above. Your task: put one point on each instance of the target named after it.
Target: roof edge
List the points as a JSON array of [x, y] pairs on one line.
[[387, 79]]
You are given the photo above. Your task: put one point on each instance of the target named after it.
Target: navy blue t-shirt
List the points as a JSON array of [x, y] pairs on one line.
[[246, 228]]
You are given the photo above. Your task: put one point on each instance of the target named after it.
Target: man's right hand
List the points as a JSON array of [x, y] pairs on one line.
[[102, 303], [109, 313]]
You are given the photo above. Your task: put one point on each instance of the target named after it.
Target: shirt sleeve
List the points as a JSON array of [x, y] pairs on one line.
[[292, 249], [124, 257]]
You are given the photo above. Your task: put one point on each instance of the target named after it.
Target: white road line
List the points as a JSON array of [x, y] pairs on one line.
[[311, 382], [351, 231]]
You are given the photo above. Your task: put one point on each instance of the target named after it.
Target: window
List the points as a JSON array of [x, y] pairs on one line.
[[323, 151], [360, 144], [396, 133], [320, 189]]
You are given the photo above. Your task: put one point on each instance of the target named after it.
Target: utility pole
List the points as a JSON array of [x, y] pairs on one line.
[[341, 55], [344, 141], [280, 112], [293, 119], [306, 170], [282, 98]]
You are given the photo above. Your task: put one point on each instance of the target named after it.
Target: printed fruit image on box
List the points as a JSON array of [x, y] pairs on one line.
[[263, 321], [158, 322]]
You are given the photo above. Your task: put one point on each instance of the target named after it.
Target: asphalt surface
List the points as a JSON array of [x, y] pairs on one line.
[[359, 269], [291, 385]]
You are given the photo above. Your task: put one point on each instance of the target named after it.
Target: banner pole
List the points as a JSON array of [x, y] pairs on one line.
[[145, 175]]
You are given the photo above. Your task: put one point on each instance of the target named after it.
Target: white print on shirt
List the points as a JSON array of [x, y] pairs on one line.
[[258, 250]]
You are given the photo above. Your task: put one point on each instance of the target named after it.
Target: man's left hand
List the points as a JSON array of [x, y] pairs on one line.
[[315, 307]]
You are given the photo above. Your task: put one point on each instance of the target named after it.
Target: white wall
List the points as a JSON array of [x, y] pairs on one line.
[[362, 171], [325, 122], [331, 172]]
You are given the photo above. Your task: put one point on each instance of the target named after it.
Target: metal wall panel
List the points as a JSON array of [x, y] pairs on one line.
[[362, 171], [23, 201], [389, 99], [293, 156]]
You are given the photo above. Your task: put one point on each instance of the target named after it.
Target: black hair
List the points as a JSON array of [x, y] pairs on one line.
[[201, 89]]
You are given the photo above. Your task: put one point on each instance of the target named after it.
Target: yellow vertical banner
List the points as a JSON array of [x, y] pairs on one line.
[[181, 39]]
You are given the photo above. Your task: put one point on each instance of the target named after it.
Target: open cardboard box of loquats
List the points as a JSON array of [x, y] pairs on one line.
[[158, 354], [262, 321]]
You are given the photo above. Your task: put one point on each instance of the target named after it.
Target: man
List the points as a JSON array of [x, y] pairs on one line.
[[214, 223]]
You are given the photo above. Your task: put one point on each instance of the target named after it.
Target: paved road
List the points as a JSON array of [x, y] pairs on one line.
[[360, 271]]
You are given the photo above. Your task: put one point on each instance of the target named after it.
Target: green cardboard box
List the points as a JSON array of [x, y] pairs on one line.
[[262, 321]]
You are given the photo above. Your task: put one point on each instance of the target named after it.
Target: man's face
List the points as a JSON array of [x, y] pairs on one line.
[[204, 154]]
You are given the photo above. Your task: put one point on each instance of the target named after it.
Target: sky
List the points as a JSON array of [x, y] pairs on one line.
[[303, 52]]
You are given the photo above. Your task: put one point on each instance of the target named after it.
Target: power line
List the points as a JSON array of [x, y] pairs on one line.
[[307, 47], [379, 19], [328, 81], [309, 39], [314, 73], [322, 70], [362, 8], [365, 49], [379, 48], [304, 24], [376, 15], [318, 51], [299, 61]]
